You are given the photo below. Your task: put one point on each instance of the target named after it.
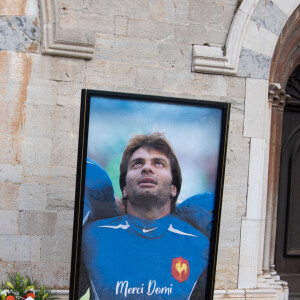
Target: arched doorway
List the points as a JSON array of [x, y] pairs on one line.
[[285, 70]]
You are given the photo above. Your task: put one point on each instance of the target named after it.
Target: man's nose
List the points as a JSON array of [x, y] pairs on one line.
[[147, 168]]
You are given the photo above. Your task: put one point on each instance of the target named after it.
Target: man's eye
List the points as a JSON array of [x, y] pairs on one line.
[[159, 164], [137, 164]]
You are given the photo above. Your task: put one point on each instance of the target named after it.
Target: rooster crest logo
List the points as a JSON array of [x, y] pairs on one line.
[[180, 269]]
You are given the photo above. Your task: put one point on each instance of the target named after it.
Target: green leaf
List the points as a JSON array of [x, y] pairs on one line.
[[45, 296], [29, 287], [9, 285]]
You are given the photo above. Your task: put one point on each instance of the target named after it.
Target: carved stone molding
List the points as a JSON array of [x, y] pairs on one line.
[[60, 42], [225, 61], [277, 96]]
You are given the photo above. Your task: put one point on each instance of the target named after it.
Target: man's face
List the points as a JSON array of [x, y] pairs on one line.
[[149, 178]]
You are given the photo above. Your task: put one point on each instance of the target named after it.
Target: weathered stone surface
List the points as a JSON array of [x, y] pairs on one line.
[[268, 15], [150, 78], [11, 173], [9, 193], [64, 225], [121, 24], [105, 74], [37, 151], [37, 223], [150, 30], [19, 34], [56, 249], [9, 221], [175, 55], [132, 8], [64, 152], [126, 50], [60, 198], [15, 247], [191, 34], [254, 65], [32, 197]]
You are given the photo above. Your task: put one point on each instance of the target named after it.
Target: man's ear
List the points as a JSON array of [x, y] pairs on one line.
[[173, 191], [124, 192]]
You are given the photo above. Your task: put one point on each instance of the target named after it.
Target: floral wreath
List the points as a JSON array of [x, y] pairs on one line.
[[22, 288]]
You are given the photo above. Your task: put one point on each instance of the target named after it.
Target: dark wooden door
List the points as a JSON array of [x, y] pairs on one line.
[[287, 251]]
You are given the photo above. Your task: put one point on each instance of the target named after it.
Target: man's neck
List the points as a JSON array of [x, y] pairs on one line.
[[146, 213]]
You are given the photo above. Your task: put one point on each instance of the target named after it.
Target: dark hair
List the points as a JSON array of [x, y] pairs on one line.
[[156, 141]]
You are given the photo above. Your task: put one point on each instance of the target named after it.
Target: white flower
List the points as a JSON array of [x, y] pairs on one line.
[[29, 298], [4, 292]]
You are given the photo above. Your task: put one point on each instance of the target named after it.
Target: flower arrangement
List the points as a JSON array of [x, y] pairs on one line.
[[21, 288]]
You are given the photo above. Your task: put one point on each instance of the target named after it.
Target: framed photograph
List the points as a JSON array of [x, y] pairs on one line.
[[148, 196]]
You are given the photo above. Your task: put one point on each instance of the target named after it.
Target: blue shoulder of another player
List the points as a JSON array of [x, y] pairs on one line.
[[198, 212], [99, 200]]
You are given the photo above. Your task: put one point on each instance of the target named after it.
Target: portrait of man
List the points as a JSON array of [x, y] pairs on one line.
[[148, 197], [150, 251]]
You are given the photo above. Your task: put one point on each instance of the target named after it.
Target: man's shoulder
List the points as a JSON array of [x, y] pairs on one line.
[[111, 223], [182, 228]]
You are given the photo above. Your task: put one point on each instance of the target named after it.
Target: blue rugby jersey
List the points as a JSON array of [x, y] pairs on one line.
[[99, 201], [132, 258]]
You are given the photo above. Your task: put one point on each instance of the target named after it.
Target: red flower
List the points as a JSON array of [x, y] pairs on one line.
[[32, 295], [10, 297]]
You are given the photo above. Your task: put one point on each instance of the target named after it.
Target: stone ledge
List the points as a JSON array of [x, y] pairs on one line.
[[65, 43], [212, 59]]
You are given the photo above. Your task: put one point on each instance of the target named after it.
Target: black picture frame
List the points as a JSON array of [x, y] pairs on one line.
[[209, 125]]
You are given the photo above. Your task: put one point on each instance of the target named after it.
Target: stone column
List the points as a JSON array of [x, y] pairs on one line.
[[277, 98]]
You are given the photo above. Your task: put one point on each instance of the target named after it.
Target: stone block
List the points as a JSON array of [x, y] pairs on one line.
[[37, 222], [32, 197], [39, 121], [270, 16], [42, 92], [169, 11], [121, 24], [12, 173], [11, 116], [69, 94], [11, 150], [287, 6], [36, 174], [62, 122], [204, 86], [18, 8], [55, 274], [9, 221], [259, 39], [63, 176], [190, 34], [175, 56], [60, 198], [37, 151], [9, 193], [56, 249], [64, 225], [255, 107], [132, 8], [58, 68], [254, 65], [35, 254], [85, 21], [144, 29], [19, 33], [15, 248], [150, 78], [126, 50], [64, 152], [110, 74]]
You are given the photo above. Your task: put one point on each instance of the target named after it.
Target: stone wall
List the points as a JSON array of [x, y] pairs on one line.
[[140, 46]]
